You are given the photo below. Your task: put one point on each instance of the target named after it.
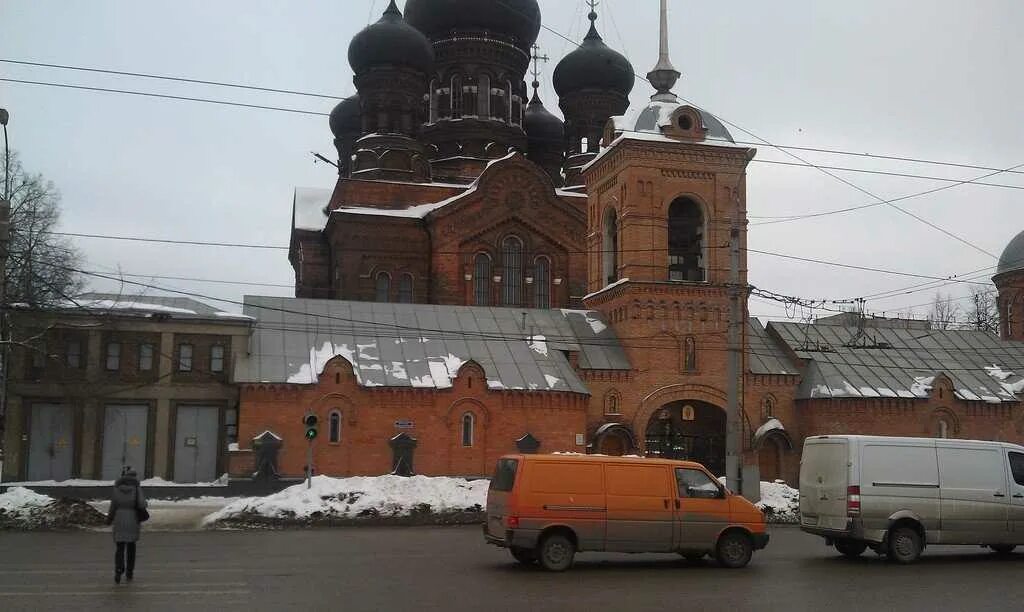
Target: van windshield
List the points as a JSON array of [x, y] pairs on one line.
[[504, 475]]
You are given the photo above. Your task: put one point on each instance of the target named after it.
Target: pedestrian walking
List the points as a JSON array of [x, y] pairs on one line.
[[127, 513]]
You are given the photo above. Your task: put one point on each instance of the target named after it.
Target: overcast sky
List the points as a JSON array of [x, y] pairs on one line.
[[936, 79]]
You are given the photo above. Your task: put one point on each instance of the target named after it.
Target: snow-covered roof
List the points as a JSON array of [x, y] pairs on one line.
[[886, 362], [423, 346], [309, 210], [149, 305], [418, 211]]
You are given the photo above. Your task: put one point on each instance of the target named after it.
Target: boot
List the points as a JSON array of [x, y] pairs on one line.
[[117, 578]]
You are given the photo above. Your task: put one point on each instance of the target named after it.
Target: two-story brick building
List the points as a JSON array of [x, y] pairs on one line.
[[110, 381]]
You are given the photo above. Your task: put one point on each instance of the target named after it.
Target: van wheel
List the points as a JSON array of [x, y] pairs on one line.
[[1003, 549], [556, 553], [905, 545], [734, 550], [526, 556], [850, 548]]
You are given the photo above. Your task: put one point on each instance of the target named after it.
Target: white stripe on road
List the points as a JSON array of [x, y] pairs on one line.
[[113, 592]]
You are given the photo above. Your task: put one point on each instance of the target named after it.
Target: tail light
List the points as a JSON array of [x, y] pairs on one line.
[[512, 522], [853, 501]]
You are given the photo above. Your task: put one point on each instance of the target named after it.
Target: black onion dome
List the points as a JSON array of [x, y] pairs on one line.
[[593, 65], [346, 117], [516, 19], [390, 41], [540, 125]]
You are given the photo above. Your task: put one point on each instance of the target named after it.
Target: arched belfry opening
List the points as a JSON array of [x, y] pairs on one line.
[[686, 242], [610, 247]]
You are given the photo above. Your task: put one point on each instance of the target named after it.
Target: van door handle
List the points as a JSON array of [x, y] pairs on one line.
[[1017, 496], [677, 502], [998, 494], [666, 503]]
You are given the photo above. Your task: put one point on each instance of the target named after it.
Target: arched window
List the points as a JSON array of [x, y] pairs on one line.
[[468, 421], [610, 247], [484, 96], [482, 280], [685, 241], [456, 97], [432, 96], [542, 283], [943, 428], [512, 261], [469, 98], [508, 96], [443, 104], [383, 293], [405, 289], [334, 428], [689, 354], [611, 403]]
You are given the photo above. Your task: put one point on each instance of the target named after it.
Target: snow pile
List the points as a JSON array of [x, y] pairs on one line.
[[149, 482], [360, 499], [779, 502], [21, 508]]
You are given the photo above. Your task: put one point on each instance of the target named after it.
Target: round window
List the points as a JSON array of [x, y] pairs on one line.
[[685, 122]]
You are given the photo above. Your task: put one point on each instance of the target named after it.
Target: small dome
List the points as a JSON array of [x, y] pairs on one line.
[[541, 126], [593, 65], [519, 20], [390, 41], [1012, 259], [346, 117], [657, 115]]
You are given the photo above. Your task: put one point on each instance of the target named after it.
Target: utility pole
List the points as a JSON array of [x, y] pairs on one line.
[[5, 234], [733, 426]]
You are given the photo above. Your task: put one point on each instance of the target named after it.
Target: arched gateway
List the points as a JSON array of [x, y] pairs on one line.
[[692, 430]]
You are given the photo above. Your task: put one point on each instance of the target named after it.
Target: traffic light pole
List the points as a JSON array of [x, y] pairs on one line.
[[309, 464]]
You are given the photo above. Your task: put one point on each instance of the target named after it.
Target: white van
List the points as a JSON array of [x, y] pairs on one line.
[[896, 495]]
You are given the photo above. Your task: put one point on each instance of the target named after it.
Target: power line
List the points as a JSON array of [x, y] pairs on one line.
[[395, 251], [894, 174], [167, 96], [163, 77]]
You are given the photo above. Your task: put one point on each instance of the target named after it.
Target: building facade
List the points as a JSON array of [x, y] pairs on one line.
[[435, 283], [108, 382]]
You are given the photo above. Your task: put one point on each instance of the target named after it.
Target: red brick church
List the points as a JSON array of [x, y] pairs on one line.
[[486, 277]]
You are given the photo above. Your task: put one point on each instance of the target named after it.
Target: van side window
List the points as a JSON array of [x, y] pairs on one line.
[[696, 484], [504, 475], [1017, 467]]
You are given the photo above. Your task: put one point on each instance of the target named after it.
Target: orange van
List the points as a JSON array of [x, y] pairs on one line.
[[547, 508]]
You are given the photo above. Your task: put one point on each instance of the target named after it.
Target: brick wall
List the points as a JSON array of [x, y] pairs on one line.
[[433, 417]]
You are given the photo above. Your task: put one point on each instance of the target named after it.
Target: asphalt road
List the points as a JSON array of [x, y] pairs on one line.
[[452, 569]]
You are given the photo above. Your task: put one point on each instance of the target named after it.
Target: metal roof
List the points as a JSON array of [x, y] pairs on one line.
[[766, 356], [1012, 258], [847, 362], [148, 305], [423, 346]]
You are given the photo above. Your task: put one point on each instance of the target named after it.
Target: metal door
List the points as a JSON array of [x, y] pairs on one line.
[[195, 447], [125, 433], [51, 442]]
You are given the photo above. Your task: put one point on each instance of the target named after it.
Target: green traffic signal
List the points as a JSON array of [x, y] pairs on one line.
[[310, 421]]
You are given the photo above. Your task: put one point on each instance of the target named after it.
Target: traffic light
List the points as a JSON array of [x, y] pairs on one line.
[[310, 422]]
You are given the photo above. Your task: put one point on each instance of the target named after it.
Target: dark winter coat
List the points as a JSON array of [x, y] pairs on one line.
[[125, 500]]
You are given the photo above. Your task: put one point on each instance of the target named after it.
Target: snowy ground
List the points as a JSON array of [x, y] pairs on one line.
[[149, 482], [21, 508], [779, 502], [376, 499]]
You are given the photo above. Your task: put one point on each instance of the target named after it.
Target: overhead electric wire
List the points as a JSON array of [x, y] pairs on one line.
[[162, 77], [166, 96]]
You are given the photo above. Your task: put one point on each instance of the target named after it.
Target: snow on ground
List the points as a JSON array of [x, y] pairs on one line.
[[367, 497], [779, 502], [149, 482], [21, 508]]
